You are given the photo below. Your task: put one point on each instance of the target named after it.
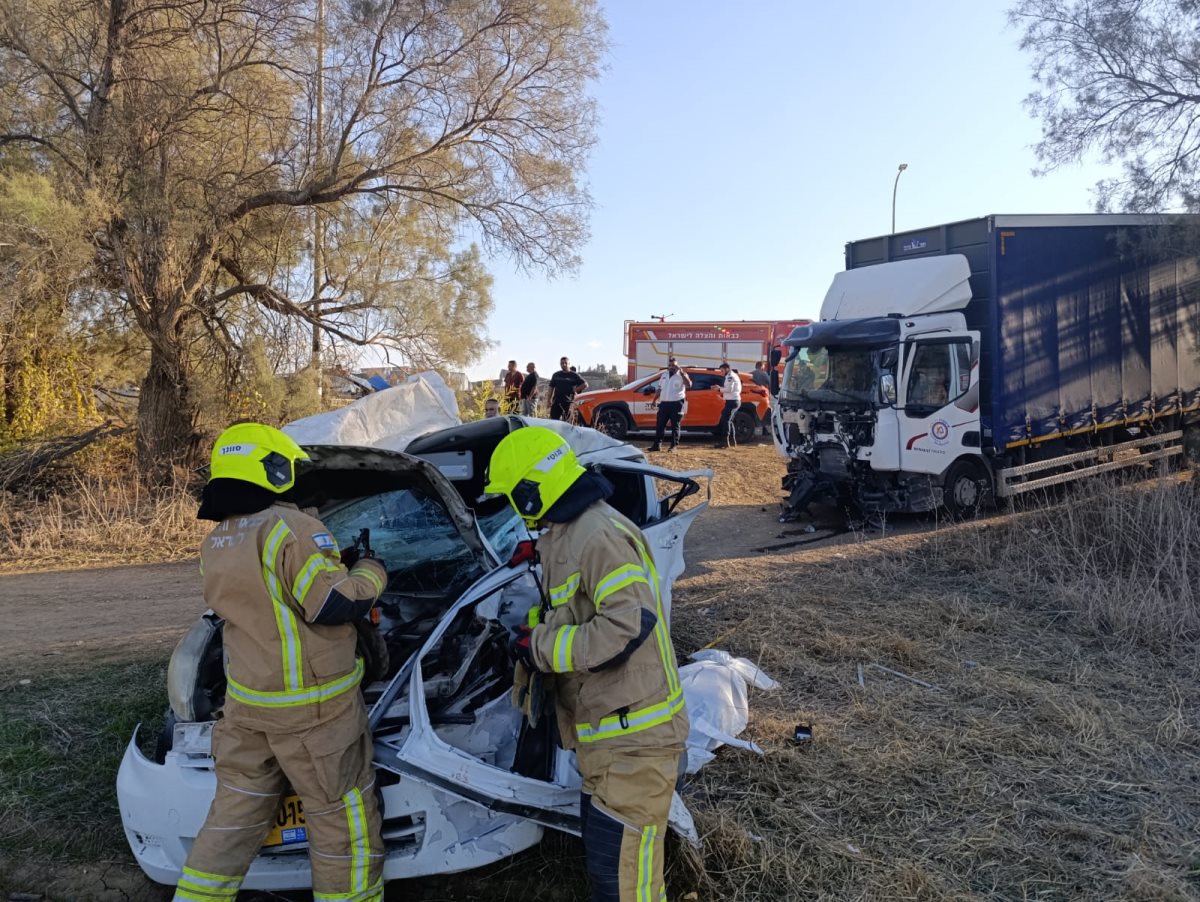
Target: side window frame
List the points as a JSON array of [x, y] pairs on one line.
[[957, 356]]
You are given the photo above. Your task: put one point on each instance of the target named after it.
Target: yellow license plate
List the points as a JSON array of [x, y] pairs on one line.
[[288, 828]]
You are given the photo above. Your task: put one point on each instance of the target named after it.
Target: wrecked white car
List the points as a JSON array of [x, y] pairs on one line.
[[465, 779]]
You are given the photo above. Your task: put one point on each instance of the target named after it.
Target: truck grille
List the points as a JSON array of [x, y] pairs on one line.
[[834, 461]]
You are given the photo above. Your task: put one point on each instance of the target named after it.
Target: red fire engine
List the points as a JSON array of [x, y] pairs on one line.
[[740, 342]]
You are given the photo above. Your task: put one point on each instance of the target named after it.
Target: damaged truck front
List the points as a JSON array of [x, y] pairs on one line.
[[848, 428], [994, 356]]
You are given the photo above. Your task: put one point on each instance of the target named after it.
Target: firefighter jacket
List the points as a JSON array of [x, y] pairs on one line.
[[605, 636], [289, 606]]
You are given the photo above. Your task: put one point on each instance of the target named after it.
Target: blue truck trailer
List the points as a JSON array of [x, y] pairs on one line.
[[997, 355]]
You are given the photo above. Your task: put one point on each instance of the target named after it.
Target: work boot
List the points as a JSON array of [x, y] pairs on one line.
[[720, 444], [655, 447], [673, 447]]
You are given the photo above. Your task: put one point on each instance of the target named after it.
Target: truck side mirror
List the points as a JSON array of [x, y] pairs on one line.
[[887, 386]]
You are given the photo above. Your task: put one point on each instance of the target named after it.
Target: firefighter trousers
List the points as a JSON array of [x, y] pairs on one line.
[[329, 767], [624, 807]]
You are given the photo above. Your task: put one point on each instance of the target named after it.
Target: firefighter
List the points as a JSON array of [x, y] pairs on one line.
[[603, 636], [293, 715]]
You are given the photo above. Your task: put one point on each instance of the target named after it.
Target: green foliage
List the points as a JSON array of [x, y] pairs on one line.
[[261, 394], [181, 142], [45, 374], [1119, 79], [473, 401]]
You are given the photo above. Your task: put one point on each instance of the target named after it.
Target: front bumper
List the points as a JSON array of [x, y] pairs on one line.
[[425, 831]]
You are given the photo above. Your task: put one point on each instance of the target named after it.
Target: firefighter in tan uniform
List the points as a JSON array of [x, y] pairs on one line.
[[605, 639], [293, 714]]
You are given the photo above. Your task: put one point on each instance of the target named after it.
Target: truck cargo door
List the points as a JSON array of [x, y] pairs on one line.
[[939, 401]]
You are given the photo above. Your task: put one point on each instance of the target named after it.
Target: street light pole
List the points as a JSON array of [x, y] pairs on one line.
[[895, 185]]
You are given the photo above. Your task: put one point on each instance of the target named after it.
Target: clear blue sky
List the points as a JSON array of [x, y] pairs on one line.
[[742, 145]]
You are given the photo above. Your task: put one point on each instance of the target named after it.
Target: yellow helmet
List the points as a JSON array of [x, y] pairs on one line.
[[533, 466], [258, 454]]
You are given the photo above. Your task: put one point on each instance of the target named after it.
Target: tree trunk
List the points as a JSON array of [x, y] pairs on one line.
[[168, 445]]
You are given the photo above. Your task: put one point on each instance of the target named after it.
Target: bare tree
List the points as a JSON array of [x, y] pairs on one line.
[[191, 120], [1120, 78]]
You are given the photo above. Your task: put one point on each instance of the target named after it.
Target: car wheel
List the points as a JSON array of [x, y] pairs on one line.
[[613, 423], [965, 490], [743, 427]]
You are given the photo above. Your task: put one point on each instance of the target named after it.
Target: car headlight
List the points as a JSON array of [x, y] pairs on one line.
[[183, 673]]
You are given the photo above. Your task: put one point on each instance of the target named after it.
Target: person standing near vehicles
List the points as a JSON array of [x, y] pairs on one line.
[[731, 394], [603, 642], [293, 715], [513, 381], [673, 384], [564, 384], [529, 390], [763, 379]]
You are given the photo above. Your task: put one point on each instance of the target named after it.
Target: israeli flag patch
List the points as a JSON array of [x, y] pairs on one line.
[[324, 541]]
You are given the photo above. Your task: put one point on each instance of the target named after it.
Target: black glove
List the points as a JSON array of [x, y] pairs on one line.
[[372, 556], [349, 556], [519, 648]]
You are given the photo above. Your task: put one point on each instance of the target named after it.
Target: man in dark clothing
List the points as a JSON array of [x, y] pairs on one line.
[[529, 390], [512, 387], [760, 377], [563, 386]]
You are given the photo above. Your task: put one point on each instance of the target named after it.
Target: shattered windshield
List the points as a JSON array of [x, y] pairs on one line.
[[829, 374], [413, 533]]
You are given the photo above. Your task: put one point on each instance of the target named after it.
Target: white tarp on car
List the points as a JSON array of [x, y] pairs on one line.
[[388, 419], [714, 688]]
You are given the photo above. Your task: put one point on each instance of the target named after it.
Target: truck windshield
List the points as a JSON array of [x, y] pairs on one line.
[[829, 374]]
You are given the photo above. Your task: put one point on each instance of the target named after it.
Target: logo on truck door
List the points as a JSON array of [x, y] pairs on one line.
[[939, 431]]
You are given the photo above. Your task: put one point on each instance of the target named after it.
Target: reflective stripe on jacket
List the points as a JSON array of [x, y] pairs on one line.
[[288, 604], [606, 636]]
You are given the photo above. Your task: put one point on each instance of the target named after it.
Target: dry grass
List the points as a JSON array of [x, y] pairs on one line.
[[96, 522], [1057, 758], [749, 474]]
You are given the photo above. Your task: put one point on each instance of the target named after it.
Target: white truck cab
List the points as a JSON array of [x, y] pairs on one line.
[[879, 400]]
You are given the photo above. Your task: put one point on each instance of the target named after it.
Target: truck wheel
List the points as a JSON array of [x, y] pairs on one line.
[[965, 490], [613, 423], [743, 427]]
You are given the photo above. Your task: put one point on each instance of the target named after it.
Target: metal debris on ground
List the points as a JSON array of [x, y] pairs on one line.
[[903, 676]]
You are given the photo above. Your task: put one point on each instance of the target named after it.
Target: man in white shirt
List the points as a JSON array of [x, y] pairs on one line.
[[731, 394], [672, 384]]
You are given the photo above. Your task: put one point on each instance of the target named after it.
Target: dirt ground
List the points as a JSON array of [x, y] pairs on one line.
[[82, 612]]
